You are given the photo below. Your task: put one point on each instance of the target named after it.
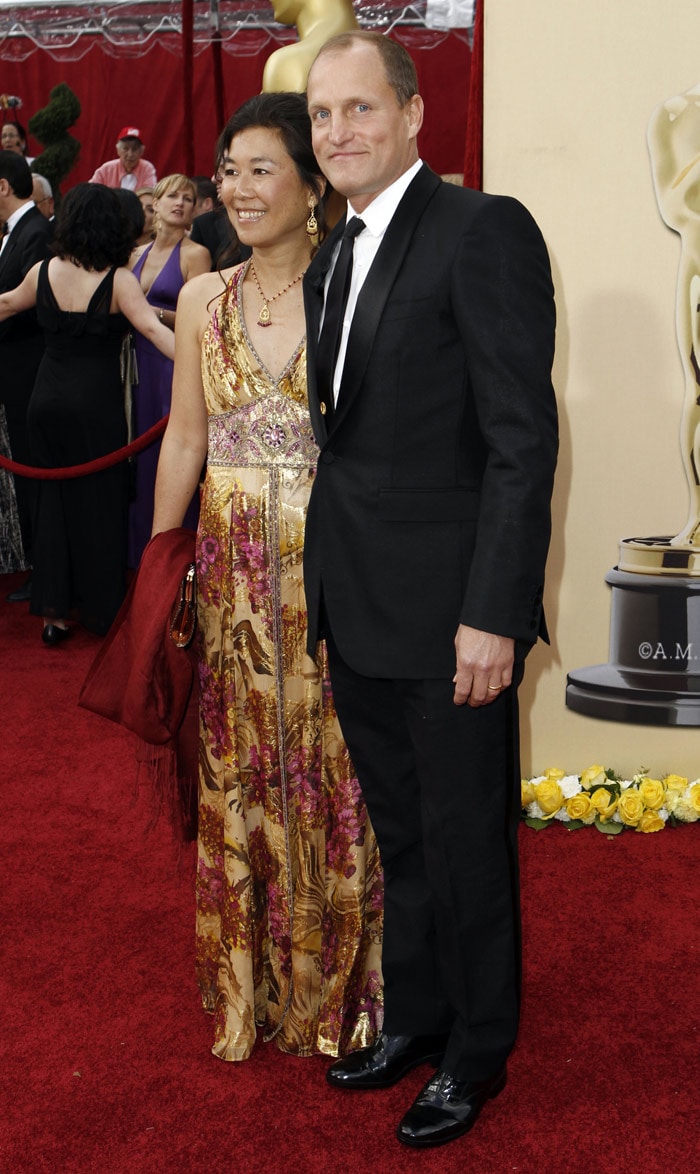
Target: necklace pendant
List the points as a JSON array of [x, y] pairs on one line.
[[264, 315]]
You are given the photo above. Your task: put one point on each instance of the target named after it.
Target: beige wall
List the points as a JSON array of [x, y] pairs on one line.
[[569, 88]]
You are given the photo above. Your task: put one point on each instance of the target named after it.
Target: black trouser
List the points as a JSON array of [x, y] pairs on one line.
[[442, 786]]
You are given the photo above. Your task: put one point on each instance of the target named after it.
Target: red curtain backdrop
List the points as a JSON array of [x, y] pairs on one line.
[[149, 92]]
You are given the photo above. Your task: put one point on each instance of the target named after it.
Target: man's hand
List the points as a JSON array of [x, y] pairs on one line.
[[484, 666]]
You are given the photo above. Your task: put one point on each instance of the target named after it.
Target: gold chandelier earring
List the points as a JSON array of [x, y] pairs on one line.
[[312, 222]]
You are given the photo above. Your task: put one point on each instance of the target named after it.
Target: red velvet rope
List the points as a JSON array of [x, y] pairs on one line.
[[96, 466]]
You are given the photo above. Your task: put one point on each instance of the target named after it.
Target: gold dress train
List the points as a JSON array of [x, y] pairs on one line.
[[289, 887]]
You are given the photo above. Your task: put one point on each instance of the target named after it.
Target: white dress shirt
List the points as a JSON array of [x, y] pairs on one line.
[[377, 217]]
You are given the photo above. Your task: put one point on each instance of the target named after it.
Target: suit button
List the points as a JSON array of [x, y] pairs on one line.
[[323, 408], [327, 458]]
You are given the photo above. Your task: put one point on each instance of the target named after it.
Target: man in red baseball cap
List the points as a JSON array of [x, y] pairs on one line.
[[130, 170]]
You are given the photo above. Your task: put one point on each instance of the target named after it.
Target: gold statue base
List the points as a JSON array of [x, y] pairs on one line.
[[658, 556]]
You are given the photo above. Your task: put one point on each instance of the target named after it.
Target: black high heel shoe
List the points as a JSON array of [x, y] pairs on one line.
[[52, 634]]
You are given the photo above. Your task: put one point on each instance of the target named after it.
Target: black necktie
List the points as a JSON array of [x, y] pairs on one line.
[[336, 301]]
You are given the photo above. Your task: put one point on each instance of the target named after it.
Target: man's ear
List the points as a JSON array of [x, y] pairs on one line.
[[414, 111]]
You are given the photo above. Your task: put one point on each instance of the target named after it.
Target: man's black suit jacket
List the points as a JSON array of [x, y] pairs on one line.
[[21, 339], [431, 504]]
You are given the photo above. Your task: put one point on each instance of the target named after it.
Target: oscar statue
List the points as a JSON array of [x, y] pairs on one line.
[[653, 674]]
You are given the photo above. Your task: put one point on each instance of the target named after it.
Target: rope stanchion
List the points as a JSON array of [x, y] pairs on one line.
[[96, 466]]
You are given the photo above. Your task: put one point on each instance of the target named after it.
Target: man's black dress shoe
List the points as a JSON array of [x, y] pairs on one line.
[[447, 1108], [386, 1061], [22, 594], [52, 634]]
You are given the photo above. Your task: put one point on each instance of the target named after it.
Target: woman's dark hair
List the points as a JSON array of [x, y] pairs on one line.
[[133, 210], [92, 229], [287, 114]]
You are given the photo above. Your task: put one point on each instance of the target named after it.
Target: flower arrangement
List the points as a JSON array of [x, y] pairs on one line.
[[601, 799]]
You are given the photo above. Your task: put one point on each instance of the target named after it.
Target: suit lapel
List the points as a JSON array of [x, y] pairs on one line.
[[314, 282], [13, 243], [372, 299], [379, 282]]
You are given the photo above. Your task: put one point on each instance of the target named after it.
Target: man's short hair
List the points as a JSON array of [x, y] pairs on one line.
[[43, 184], [206, 188], [398, 64], [15, 169]]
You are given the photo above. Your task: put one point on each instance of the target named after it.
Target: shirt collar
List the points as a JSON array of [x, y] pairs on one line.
[[378, 214], [18, 214]]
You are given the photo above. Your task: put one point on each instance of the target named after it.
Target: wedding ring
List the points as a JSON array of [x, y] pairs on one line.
[[494, 688]]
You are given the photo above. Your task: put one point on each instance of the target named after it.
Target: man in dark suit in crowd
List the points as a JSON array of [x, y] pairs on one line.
[[213, 229], [27, 240], [426, 540]]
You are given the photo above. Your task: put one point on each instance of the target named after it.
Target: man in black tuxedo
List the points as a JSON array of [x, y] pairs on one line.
[[426, 540], [27, 240]]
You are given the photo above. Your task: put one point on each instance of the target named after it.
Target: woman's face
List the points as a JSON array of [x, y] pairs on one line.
[[265, 198], [175, 208], [148, 212], [10, 139]]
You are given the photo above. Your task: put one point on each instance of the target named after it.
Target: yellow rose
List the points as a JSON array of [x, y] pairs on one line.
[[579, 806], [651, 821], [553, 772], [652, 794], [675, 784], [603, 804], [527, 793], [548, 795], [593, 776], [694, 797], [630, 807]]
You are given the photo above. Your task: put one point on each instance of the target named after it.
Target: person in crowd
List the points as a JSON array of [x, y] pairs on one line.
[[13, 137], [214, 230], [27, 240], [162, 268], [288, 882], [129, 170], [132, 208], [42, 195], [145, 195], [428, 527], [85, 299], [11, 551], [207, 195]]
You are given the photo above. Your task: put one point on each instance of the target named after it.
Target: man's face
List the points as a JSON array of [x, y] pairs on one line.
[[129, 151], [203, 204], [43, 203], [362, 138], [5, 197]]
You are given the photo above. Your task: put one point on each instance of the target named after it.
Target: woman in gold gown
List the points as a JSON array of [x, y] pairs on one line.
[[289, 896]]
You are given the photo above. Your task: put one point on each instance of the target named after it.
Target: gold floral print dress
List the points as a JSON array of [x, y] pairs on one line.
[[289, 887]]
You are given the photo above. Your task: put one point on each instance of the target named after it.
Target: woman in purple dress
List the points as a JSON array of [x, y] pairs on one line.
[[162, 268]]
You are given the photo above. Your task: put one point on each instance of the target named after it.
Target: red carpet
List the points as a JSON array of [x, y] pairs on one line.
[[104, 1053]]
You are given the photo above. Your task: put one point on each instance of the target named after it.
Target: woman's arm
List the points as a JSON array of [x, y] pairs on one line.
[[184, 446], [129, 298], [21, 298]]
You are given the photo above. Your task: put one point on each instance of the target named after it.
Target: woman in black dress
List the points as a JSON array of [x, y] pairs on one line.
[[85, 298]]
